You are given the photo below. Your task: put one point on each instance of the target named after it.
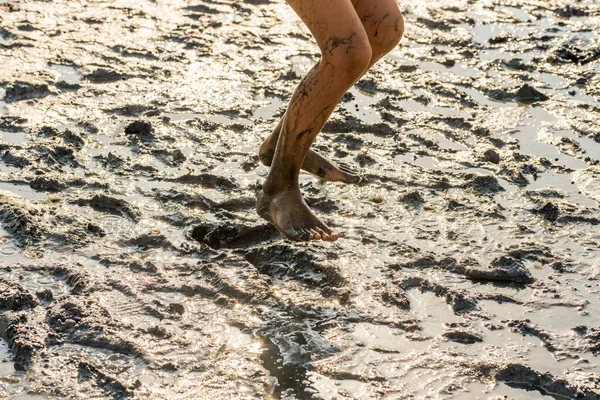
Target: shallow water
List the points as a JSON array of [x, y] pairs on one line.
[[361, 106], [65, 73]]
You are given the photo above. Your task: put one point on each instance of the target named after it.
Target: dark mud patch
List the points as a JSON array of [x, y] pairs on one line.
[[207, 180], [232, 235], [141, 130], [102, 75], [291, 378], [113, 205], [503, 268], [109, 383], [523, 377], [19, 90]]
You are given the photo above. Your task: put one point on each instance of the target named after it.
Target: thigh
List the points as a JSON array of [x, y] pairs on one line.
[[334, 24]]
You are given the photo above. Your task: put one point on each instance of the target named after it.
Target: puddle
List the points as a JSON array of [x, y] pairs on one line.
[[382, 337], [432, 312], [482, 33], [558, 318], [553, 80], [420, 161], [528, 134], [590, 147], [10, 253], [66, 73], [361, 106], [6, 367], [402, 362], [531, 350], [7, 168], [328, 388], [267, 111], [180, 117], [484, 101], [12, 382], [14, 138], [553, 180], [105, 145], [6, 41], [498, 54], [23, 190], [35, 282], [384, 352], [575, 93]]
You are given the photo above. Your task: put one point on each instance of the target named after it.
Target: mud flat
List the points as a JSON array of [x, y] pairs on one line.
[[132, 262]]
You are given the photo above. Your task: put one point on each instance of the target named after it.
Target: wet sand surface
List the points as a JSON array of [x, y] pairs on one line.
[[134, 266]]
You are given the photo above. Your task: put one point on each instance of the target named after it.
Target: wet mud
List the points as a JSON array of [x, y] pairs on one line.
[[133, 264]]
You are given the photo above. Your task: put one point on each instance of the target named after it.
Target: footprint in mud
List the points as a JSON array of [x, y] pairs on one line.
[[130, 311], [283, 261], [233, 235]]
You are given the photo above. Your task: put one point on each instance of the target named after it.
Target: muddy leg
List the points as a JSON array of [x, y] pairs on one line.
[[314, 162], [384, 25], [346, 54]]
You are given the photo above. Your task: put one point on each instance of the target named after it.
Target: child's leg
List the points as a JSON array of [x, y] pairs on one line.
[[384, 25], [346, 54], [314, 162]]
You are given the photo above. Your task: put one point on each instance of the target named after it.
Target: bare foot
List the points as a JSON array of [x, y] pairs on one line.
[[316, 164], [292, 217]]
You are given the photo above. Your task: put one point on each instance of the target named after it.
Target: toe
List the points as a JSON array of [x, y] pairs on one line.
[[352, 178], [350, 174], [332, 237], [324, 235], [308, 234], [315, 234], [348, 168], [328, 234]]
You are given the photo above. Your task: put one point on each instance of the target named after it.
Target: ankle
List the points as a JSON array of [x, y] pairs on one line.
[[271, 187]]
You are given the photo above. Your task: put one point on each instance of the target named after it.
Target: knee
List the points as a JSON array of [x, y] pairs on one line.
[[388, 35], [353, 57]]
